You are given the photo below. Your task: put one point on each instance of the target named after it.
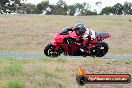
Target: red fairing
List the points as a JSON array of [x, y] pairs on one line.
[[73, 35], [59, 42], [55, 44], [60, 38], [95, 41]]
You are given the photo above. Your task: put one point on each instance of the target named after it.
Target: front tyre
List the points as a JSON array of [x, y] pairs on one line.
[[101, 49], [51, 52]]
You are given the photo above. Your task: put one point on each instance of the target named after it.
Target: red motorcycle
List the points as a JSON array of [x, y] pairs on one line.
[[69, 43]]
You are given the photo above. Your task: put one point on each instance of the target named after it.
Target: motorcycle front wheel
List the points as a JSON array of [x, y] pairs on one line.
[[51, 52]]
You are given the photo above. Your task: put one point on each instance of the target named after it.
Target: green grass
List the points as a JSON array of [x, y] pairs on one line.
[[61, 60], [12, 69], [57, 60], [8, 59], [15, 84]]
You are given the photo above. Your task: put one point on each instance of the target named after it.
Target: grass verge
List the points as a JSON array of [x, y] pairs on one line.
[[57, 72]]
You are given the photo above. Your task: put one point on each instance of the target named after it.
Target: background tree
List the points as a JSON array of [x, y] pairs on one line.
[[99, 3], [43, 6], [107, 10], [3, 2], [127, 8], [79, 9], [60, 9], [86, 10], [27, 8], [10, 5], [71, 10], [117, 9]]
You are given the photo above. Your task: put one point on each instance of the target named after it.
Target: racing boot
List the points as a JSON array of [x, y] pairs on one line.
[[83, 48], [86, 51]]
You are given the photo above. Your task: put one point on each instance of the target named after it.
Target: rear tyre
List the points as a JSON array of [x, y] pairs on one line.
[[50, 51], [101, 49]]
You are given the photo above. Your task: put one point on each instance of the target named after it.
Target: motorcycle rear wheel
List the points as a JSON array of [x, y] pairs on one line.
[[101, 49]]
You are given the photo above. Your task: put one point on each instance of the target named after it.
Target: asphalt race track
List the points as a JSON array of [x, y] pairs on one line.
[[33, 55]]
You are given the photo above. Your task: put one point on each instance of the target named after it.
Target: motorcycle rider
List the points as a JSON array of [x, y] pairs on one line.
[[86, 33]]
